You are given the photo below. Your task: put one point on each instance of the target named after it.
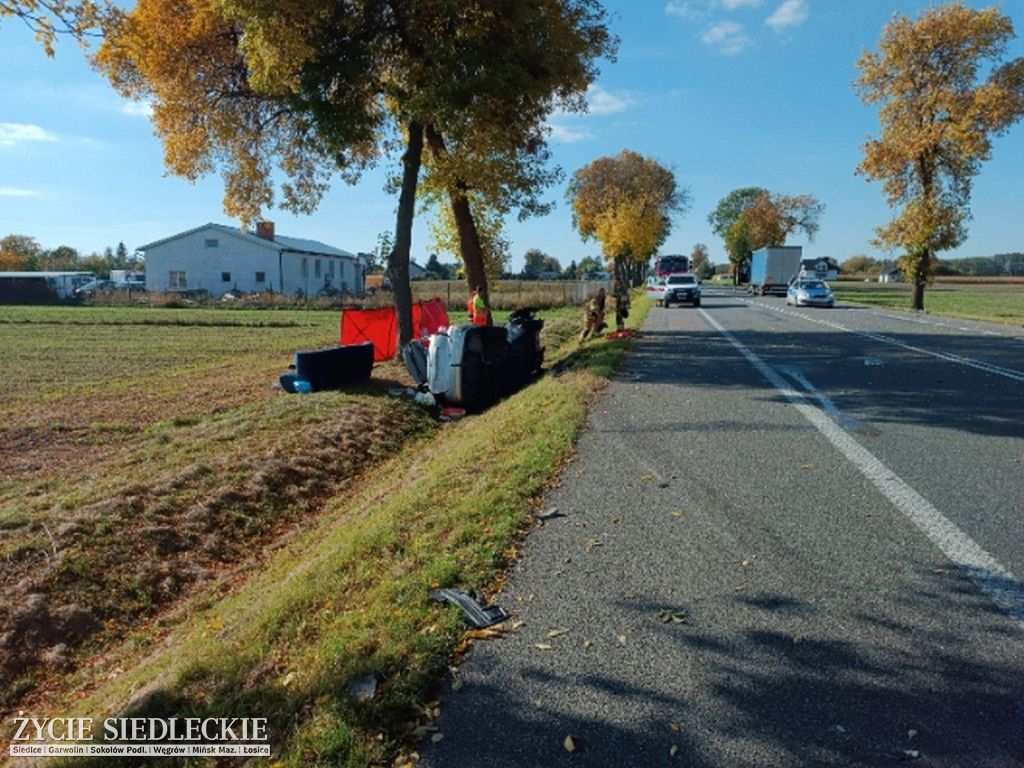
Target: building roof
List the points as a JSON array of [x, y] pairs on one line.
[[294, 244]]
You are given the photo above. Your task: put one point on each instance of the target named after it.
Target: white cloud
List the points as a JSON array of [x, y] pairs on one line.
[[18, 133], [138, 108], [790, 14], [701, 9], [13, 192], [727, 36], [684, 10], [601, 102], [565, 135]]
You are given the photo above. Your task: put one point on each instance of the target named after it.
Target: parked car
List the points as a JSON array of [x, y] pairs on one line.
[[682, 289], [656, 290], [94, 286], [809, 292]]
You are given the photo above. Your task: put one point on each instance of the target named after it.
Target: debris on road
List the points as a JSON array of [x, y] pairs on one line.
[[479, 616]]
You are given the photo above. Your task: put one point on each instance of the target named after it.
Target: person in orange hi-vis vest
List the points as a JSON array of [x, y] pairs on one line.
[[479, 314]]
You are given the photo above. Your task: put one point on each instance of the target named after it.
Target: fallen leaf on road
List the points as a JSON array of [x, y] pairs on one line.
[[673, 751], [483, 634], [667, 615], [559, 632], [544, 646], [647, 477], [569, 744], [622, 639]]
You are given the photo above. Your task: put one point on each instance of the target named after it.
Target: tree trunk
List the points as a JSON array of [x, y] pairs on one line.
[[469, 238], [398, 259], [922, 271], [917, 302]]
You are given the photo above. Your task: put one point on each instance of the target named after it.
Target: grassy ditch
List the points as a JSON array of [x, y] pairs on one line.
[[210, 547]]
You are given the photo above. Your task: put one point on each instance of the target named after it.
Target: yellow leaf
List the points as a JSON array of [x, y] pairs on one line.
[[673, 751], [622, 639], [558, 632], [647, 477], [545, 646], [569, 744], [483, 634], [677, 513]]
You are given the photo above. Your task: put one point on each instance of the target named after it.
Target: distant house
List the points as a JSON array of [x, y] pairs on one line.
[[825, 268], [891, 275], [217, 259]]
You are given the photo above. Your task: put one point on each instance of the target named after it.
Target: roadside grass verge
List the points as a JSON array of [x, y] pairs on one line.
[[329, 563]]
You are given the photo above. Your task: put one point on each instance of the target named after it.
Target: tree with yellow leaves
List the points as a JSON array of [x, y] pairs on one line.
[[314, 88], [626, 203], [938, 118]]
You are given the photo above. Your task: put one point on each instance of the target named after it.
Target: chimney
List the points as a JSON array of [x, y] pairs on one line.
[[265, 229]]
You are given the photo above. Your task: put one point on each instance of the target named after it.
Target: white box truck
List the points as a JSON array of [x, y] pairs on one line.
[[771, 269]]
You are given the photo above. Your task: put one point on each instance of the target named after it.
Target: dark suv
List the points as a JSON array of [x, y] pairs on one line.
[[682, 289]]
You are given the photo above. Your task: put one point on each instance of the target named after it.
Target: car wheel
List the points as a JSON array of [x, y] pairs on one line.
[[665, 304], [696, 303]]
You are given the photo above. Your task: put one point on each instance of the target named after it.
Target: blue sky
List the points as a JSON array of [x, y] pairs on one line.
[[726, 93]]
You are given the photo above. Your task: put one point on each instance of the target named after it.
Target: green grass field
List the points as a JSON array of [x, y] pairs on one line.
[[995, 302]]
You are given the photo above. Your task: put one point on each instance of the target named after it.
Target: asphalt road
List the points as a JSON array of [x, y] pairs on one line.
[[790, 537]]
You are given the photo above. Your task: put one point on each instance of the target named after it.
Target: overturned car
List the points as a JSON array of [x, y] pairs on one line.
[[473, 366]]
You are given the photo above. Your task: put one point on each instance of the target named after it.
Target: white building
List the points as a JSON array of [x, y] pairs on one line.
[[217, 259]]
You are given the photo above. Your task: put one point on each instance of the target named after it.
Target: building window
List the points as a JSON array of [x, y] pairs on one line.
[[212, 242], [316, 268], [225, 277], [178, 282], [330, 268], [305, 267], [261, 277]]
